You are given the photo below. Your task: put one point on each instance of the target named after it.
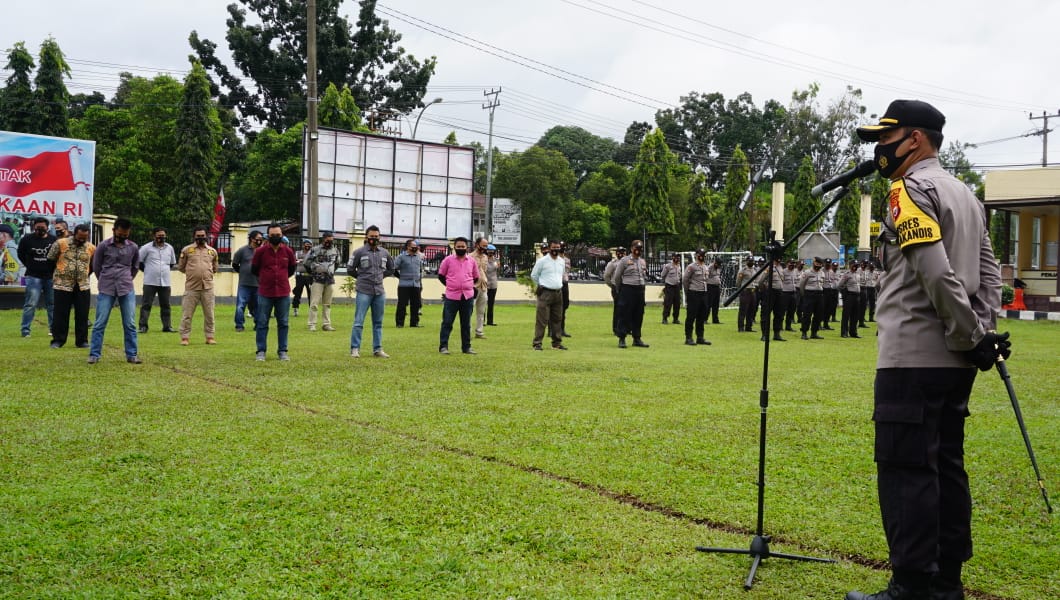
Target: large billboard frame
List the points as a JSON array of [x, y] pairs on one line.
[[408, 188]]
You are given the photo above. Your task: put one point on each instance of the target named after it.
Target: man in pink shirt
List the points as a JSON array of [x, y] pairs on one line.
[[459, 274]]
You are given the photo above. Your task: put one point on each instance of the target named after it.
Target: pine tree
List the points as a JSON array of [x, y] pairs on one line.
[[18, 111], [650, 186], [198, 141], [737, 178], [51, 94]]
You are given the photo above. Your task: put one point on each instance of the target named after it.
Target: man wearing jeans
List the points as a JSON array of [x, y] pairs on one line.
[[369, 264], [247, 294], [115, 263], [273, 263], [33, 253]]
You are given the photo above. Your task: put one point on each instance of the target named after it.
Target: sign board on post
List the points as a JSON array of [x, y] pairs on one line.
[[507, 223], [874, 229], [44, 176]]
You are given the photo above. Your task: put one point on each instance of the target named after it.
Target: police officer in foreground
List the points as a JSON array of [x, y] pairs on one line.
[[936, 313]]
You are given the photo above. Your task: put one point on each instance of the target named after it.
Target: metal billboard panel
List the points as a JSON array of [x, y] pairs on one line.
[[405, 187]]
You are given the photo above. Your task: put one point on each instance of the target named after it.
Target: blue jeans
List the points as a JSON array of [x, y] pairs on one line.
[[246, 299], [35, 288], [450, 309], [104, 304], [266, 307], [363, 302]]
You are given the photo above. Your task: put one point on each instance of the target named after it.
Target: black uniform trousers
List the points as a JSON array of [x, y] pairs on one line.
[[831, 305], [696, 315], [923, 488], [713, 302], [566, 304], [745, 319], [615, 311], [672, 301], [301, 282], [163, 305], [772, 306], [79, 300], [812, 310], [791, 307], [491, 298], [851, 312], [410, 298], [868, 306], [631, 310]]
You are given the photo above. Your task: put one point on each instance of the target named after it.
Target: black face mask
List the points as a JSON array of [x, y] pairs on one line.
[[327, 244], [554, 252], [160, 239], [461, 251], [200, 240], [120, 238], [373, 241], [886, 160], [79, 242], [41, 231], [275, 239]]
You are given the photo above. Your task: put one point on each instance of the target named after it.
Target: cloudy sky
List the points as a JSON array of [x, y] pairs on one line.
[[602, 64]]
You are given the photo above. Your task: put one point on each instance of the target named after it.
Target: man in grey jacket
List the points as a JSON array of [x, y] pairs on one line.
[[321, 263], [369, 264], [247, 293]]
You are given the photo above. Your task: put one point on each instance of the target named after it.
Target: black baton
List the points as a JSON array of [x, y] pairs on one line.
[[1003, 371]]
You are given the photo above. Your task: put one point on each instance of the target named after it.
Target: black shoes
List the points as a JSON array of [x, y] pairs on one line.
[[621, 342], [777, 338], [558, 347], [702, 342], [804, 336], [816, 337], [640, 343], [676, 322], [689, 342], [143, 330]]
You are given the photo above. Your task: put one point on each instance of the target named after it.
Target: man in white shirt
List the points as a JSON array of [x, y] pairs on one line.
[[548, 277]]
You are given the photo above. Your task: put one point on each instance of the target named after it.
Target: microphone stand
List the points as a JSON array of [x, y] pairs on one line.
[[759, 549]]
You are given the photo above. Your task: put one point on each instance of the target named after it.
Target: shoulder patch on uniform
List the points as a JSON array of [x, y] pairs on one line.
[[913, 225]]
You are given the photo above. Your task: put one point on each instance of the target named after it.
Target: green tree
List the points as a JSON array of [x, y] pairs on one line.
[[826, 135], [50, 91], [956, 161], [451, 139], [803, 205], [609, 187], [848, 217], [269, 186], [584, 151], [272, 59], [338, 109], [706, 221], [626, 153], [541, 183], [79, 103], [198, 136], [18, 111], [587, 223], [650, 186], [737, 180]]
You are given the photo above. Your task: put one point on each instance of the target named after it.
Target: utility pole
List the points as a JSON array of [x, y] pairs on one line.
[[1045, 134], [312, 206], [490, 105]]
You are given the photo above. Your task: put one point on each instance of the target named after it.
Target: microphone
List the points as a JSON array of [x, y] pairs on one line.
[[864, 168]]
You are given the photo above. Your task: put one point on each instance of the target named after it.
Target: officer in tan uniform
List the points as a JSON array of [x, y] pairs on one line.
[[936, 313]]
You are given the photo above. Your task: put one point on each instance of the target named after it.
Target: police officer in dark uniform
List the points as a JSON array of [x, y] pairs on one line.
[[745, 319], [937, 309], [811, 286]]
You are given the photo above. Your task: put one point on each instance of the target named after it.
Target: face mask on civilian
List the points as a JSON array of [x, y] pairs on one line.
[[461, 251], [275, 239]]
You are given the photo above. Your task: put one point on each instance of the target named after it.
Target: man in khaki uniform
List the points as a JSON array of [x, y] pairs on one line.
[[198, 262]]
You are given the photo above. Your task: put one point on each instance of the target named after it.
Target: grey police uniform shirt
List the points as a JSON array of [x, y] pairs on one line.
[[811, 281], [609, 271], [787, 280], [697, 276], [630, 271], [829, 279], [671, 274], [744, 274], [850, 282], [942, 288], [370, 267], [713, 275]]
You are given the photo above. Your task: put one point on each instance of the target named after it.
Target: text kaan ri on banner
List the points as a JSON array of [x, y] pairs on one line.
[[45, 176]]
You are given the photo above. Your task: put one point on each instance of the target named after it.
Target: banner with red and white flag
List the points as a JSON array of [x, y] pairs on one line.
[[218, 217], [43, 176]]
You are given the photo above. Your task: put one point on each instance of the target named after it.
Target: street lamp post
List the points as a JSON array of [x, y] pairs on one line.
[[428, 105]]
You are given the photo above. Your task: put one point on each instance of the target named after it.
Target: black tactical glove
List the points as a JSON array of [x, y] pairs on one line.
[[985, 353]]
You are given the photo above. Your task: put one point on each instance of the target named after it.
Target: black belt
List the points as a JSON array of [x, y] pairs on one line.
[[552, 289]]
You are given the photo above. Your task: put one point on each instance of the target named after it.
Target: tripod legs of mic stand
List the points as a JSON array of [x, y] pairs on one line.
[[759, 551]]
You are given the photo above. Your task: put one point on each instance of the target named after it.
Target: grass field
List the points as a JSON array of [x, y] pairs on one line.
[[591, 473]]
